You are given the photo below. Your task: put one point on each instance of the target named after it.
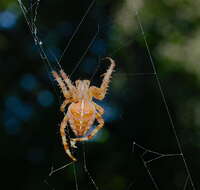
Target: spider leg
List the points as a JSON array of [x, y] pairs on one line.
[[99, 93], [62, 107], [64, 140], [99, 108], [67, 81], [61, 84], [93, 133]]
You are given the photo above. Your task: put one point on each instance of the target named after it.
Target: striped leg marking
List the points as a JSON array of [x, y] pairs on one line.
[[61, 84], [64, 104], [64, 140], [99, 108]]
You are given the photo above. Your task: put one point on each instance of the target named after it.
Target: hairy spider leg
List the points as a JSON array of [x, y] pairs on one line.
[[93, 133], [107, 76], [99, 93], [98, 108], [64, 104], [61, 84], [67, 81], [64, 140]]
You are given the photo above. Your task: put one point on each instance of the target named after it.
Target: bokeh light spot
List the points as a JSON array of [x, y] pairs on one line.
[[45, 98], [101, 137], [28, 82], [89, 65], [12, 126], [53, 54], [99, 47], [21, 110], [7, 19], [111, 112]]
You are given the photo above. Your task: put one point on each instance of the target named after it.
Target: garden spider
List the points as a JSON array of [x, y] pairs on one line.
[[82, 111]]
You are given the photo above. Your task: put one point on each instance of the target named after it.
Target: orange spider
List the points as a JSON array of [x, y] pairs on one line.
[[82, 111]]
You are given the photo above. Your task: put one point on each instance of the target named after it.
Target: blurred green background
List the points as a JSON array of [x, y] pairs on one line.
[[134, 109]]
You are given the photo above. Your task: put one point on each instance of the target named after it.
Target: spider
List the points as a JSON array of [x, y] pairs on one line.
[[82, 110]]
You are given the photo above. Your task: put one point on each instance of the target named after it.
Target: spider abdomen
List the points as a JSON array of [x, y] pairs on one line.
[[81, 117]]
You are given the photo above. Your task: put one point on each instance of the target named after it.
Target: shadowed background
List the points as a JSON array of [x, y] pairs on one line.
[[134, 110]]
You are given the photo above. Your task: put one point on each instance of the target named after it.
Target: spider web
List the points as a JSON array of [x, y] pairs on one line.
[[149, 157]]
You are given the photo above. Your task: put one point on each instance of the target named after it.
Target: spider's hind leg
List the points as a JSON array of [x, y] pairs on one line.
[[64, 140]]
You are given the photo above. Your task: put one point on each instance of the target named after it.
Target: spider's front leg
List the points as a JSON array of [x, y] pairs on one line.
[[93, 133], [61, 84], [64, 140], [68, 82], [99, 93]]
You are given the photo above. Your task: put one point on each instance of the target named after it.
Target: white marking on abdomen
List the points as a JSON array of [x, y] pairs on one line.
[[82, 112]]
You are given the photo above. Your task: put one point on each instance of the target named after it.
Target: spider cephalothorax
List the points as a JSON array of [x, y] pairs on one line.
[[82, 111]]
